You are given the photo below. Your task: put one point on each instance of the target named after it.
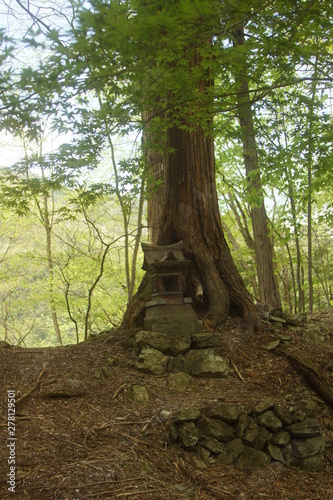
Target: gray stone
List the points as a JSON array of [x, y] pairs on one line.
[[176, 364], [288, 453], [265, 405], [136, 393], [173, 433], [276, 319], [155, 340], [299, 416], [217, 429], [227, 413], [252, 458], [204, 340], [203, 453], [153, 361], [263, 437], [271, 345], [211, 444], [315, 463], [304, 448], [251, 433], [276, 453], [176, 319], [206, 363], [270, 421], [73, 383], [280, 438], [308, 428], [314, 334], [187, 414], [188, 434], [242, 424], [283, 414], [178, 381], [179, 343], [113, 361], [231, 452], [165, 414], [311, 408]]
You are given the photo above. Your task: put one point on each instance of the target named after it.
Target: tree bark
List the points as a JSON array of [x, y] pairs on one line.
[[185, 207], [268, 287]]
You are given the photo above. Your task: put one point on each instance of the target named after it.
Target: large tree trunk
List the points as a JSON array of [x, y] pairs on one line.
[[185, 207], [268, 288]]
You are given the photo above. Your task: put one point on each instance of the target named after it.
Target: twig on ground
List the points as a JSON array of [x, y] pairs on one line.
[[35, 387]]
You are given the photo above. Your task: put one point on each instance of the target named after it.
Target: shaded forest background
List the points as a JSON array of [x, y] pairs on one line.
[[74, 198]]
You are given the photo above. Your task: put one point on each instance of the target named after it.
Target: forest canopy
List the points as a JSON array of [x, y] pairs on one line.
[[206, 121]]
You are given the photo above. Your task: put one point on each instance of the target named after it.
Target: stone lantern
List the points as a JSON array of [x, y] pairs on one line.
[[168, 306]]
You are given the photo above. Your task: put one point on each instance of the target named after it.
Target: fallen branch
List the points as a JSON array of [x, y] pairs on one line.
[[312, 373], [35, 387], [240, 376]]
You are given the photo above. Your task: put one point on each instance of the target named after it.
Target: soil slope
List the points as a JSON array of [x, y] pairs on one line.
[[77, 438]]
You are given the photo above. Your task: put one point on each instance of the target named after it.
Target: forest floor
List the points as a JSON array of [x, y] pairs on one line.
[[77, 438]]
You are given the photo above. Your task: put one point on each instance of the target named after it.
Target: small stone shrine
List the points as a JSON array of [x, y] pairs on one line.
[[173, 339], [168, 305]]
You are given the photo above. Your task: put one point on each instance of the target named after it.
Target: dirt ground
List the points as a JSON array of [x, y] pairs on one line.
[[76, 437]]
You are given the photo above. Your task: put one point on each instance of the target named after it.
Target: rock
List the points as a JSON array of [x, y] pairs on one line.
[[308, 428], [299, 416], [188, 324], [217, 429], [74, 383], [206, 363], [251, 433], [173, 433], [310, 407], [153, 361], [203, 453], [165, 414], [271, 345], [304, 448], [314, 463], [178, 381], [270, 421], [277, 319], [179, 343], [263, 437], [242, 424], [265, 405], [288, 453], [280, 438], [232, 451], [101, 373], [176, 364], [315, 334], [283, 414], [113, 361], [211, 444], [155, 340], [204, 340], [276, 453], [227, 413], [136, 393], [252, 458], [188, 434], [187, 414]]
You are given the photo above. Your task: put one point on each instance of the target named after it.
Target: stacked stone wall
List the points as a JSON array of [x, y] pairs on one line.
[[268, 433]]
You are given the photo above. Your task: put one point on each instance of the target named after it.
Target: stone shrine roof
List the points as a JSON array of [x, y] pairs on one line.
[[154, 254]]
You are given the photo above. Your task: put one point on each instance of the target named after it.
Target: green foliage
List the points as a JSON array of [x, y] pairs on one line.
[[123, 68]]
